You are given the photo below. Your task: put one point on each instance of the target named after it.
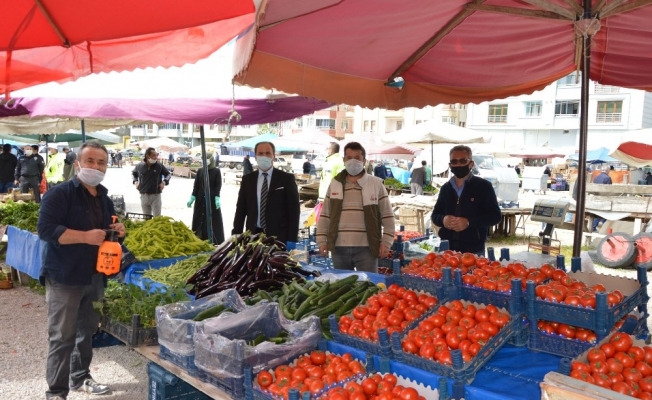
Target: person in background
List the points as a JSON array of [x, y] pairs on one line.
[[268, 200], [69, 164], [602, 178], [29, 171], [428, 173], [357, 221], [35, 150], [306, 166], [417, 179], [332, 166], [517, 169], [410, 164], [547, 171], [380, 171], [118, 159], [8, 163], [54, 167], [313, 169], [199, 194], [150, 177], [247, 168], [72, 222], [466, 206], [648, 179], [171, 158]]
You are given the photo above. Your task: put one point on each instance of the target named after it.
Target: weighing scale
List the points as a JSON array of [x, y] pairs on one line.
[[543, 248]]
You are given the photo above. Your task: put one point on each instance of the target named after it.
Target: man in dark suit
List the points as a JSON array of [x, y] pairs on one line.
[[268, 199]]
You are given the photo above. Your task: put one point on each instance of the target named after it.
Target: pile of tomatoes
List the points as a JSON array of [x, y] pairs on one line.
[[312, 372], [564, 289], [572, 332], [618, 365], [407, 235], [392, 309], [497, 277], [567, 331], [456, 325], [376, 387], [431, 266]]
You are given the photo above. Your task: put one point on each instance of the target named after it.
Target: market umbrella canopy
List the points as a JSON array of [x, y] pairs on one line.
[[26, 125], [597, 156], [48, 40], [435, 132], [456, 51], [538, 152], [251, 142], [312, 140], [164, 144], [637, 154]]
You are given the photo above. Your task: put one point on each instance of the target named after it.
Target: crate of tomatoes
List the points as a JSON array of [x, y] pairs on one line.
[[457, 340], [586, 300], [369, 326], [375, 386], [619, 362], [315, 372], [434, 272]]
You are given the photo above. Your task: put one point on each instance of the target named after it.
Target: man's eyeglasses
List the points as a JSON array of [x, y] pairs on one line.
[[461, 161]]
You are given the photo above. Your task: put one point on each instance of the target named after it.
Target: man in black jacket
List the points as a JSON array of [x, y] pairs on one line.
[[150, 177], [268, 199], [466, 206], [8, 163]]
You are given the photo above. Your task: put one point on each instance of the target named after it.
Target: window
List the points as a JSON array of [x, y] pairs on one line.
[[298, 122], [462, 124], [449, 120], [310, 122], [171, 126], [365, 126], [325, 123], [609, 111], [373, 126], [533, 108], [606, 88], [345, 125], [497, 114], [572, 79], [399, 125], [569, 108]]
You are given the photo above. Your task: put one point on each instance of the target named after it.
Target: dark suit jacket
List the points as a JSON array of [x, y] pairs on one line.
[[282, 212]]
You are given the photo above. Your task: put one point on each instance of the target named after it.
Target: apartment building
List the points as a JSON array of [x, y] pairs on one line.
[[551, 117]]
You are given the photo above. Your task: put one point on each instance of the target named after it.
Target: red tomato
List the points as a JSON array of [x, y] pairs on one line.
[[265, 379], [318, 357], [609, 350], [627, 361], [596, 355], [621, 341], [410, 393], [602, 379], [632, 374], [644, 368], [615, 365], [580, 366], [637, 353], [622, 387]]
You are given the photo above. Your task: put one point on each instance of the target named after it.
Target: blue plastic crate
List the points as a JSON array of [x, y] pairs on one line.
[[460, 371], [637, 327], [164, 385], [601, 319], [253, 392], [315, 259], [444, 289], [187, 363], [104, 339], [234, 387], [556, 344], [522, 336], [499, 299]]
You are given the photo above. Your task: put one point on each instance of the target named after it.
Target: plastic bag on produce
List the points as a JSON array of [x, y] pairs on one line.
[[174, 322], [329, 277], [221, 347]]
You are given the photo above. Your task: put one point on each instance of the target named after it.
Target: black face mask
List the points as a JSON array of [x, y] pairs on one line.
[[461, 171]]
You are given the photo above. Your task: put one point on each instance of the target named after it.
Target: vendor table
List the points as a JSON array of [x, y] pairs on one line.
[[24, 251], [152, 354], [509, 221]]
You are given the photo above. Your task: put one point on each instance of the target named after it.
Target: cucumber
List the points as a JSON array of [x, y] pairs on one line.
[[264, 295], [209, 313], [359, 287], [334, 295], [366, 294], [349, 280], [327, 310], [301, 289], [324, 288], [284, 309], [303, 308], [348, 306]]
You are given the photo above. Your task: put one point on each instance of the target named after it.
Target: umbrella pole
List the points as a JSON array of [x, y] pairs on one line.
[[207, 189], [584, 119], [432, 158], [83, 131]]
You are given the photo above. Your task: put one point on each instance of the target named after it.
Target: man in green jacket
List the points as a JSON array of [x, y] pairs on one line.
[[54, 168], [332, 166]]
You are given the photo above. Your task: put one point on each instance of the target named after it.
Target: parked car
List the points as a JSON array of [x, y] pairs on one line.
[[184, 157]]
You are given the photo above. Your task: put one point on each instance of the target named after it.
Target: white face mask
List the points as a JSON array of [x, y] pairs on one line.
[[152, 160], [264, 163], [354, 167], [28, 153], [90, 176]]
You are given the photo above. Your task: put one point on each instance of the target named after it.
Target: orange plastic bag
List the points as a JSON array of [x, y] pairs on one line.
[[43, 187]]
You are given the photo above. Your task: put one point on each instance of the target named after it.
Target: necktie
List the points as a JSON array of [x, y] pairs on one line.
[[263, 202]]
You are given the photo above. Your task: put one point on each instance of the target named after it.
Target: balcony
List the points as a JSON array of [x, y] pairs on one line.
[[603, 118], [497, 119], [606, 89]]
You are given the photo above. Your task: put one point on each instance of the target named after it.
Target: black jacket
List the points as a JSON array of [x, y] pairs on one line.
[[8, 164], [282, 212], [150, 176], [477, 203]]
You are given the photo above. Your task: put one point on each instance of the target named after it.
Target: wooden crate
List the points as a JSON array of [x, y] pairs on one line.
[[412, 219]]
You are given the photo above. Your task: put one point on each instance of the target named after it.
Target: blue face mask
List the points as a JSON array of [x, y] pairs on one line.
[[264, 163]]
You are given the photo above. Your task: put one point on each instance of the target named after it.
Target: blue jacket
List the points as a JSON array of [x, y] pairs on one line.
[[603, 179], [64, 207], [477, 203], [380, 171]]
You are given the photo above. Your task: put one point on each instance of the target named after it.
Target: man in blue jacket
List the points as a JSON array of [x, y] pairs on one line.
[[466, 206], [72, 223]]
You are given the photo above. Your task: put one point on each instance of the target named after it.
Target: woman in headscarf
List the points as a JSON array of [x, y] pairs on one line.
[[198, 193]]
